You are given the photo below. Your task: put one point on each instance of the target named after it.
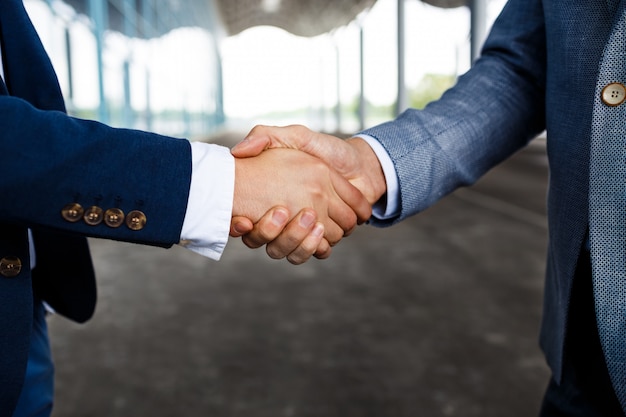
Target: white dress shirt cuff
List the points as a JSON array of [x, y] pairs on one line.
[[389, 207], [209, 210]]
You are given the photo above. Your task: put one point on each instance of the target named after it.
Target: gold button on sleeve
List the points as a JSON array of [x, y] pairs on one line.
[[93, 216], [114, 217], [72, 212], [136, 220], [614, 94], [10, 266]]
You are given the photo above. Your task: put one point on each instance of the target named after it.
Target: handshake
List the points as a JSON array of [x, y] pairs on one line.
[[300, 192]]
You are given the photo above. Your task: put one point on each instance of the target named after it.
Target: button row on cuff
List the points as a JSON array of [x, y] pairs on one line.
[[113, 217]]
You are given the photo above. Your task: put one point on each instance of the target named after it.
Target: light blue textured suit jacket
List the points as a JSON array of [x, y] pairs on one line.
[[538, 70], [49, 160]]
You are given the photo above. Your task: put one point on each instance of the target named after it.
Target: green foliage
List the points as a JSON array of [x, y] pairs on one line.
[[371, 110], [430, 88]]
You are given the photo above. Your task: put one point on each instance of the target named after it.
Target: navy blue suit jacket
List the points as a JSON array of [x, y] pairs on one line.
[[538, 70], [49, 160]]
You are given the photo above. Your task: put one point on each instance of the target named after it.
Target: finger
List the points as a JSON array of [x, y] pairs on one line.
[[341, 218], [308, 247], [293, 235], [323, 250], [333, 233], [350, 207], [352, 196], [267, 228], [240, 226], [249, 147], [298, 137], [255, 142]]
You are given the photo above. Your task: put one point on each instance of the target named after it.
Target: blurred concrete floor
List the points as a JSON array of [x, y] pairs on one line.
[[438, 316]]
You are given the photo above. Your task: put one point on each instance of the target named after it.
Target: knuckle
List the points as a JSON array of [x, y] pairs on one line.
[[350, 221], [323, 255], [250, 242], [293, 241], [299, 129], [273, 252], [294, 260], [347, 221], [256, 128], [265, 236], [323, 250], [334, 236]]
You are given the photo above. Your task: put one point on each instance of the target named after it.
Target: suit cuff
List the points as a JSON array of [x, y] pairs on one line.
[[209, 209], [385, 208]]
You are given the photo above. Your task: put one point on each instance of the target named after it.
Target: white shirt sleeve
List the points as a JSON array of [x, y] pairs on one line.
[[389, 207], [209, 209]]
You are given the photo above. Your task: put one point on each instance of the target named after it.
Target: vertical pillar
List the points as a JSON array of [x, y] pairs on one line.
[[130, 24], [337, 86], [98, 12], [402, 101], [217, 34], [220, 118], [68, 58], [148, 32], [478, 10], [362, 78], [128, 116]]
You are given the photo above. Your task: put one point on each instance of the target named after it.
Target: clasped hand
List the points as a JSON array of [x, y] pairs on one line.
[[304, 198]]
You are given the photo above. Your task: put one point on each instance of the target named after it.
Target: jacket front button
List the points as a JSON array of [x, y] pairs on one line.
[[93, 216], [114, 217], [614, 94], [10, 266], [136, 220], [72, 212]]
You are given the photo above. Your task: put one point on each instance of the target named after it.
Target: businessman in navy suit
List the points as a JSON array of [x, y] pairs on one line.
[[554, 65], [62, 179]]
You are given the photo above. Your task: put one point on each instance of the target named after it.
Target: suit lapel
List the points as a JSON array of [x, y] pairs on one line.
[[3, 88], [28, 70]]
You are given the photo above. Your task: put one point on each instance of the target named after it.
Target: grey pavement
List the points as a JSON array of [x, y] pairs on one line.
[[437, 316]]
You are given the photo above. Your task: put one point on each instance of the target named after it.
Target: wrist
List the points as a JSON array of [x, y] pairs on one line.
[[242, 201], [372, 176]]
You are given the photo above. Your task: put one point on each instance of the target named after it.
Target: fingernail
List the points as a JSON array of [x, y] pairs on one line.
[[307, 219], [279, 217], [318, 230]]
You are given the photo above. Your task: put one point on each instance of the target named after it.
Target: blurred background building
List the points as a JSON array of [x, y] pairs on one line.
[[191, 68]]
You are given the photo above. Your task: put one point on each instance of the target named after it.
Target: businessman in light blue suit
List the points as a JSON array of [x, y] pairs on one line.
[[554, 65], [62, 179]]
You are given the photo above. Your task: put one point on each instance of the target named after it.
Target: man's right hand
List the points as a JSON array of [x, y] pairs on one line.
[[295, 181], [354, 159]]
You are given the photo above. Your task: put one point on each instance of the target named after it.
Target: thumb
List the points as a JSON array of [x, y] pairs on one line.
[[252, 145], [240, 226], [298, 137], [262, 137]]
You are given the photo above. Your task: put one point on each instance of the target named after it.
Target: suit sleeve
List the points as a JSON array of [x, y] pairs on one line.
[[50, 161], [492, 111]]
